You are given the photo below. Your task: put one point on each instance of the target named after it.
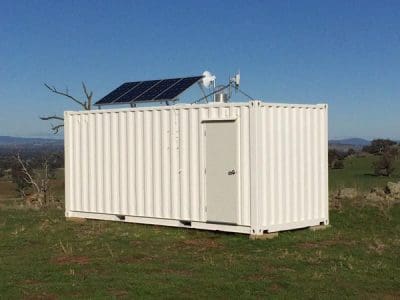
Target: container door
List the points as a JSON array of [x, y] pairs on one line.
[[221, 171]]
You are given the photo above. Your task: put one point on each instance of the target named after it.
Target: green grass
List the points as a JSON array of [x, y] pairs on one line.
[[358, 173], [42, 255]]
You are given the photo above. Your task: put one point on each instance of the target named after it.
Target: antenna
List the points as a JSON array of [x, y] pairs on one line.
[[208, 79], [235, 80], [221, 93]]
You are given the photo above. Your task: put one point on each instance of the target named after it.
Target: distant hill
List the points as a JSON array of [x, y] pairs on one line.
[[356, 143], [346, 144], [11, 140], [351, 141]]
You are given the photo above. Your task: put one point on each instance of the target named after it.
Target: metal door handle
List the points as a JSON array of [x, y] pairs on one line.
[[232, 172]]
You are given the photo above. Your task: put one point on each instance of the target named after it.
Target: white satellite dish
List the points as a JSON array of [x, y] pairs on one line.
[[236, 80], [208, 79]]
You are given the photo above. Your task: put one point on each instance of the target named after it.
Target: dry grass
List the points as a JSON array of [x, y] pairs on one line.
[[7, 190], [71, 260], [201, 245]]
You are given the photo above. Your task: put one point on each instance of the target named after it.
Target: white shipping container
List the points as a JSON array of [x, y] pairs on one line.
[[251, 167]]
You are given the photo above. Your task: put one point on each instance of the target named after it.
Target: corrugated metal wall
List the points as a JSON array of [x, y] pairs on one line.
[[293, 166], [147, 161]]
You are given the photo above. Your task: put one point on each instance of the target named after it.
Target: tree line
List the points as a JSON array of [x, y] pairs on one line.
[[386, 151]]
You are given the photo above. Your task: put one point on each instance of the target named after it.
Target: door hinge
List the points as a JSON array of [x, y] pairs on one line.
[[205, 171], [205, 133]]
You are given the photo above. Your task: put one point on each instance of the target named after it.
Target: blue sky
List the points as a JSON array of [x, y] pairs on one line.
[[345, 53]]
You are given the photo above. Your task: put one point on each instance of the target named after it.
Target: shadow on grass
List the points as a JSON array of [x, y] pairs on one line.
[[371, 175]]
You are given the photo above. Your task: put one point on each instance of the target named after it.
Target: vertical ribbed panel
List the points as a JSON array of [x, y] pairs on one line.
[[293, 164], [244, 164], [148, 161]]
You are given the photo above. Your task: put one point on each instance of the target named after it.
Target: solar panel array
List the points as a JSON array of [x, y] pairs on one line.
[[150, 90]]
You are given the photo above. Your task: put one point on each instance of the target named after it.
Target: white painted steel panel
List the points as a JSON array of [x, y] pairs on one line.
[[293, 165], [147, 162]]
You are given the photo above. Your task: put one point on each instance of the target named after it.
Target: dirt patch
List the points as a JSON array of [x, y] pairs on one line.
[[76, 220], [71, 260], [42, 296], [118, 293], [258, 277], [325, 243], [267, 272], [385, 296], [135, 243], [30, 282], [269, 269], [133, 259], [185, 273], [286, 269], [202, 244], [275, 288]]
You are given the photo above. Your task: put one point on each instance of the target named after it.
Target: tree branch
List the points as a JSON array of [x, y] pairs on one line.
[[52, 118], [65, 94], [88, 95], [87, 105], [56, 128], [29, 178]]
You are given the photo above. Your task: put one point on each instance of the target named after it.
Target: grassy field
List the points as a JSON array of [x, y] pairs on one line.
[[42, 256], [358, 173]]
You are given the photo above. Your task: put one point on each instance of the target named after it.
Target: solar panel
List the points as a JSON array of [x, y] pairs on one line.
[[137, 91], [118, 92], [150, 90], [157, 89], [178, 88]]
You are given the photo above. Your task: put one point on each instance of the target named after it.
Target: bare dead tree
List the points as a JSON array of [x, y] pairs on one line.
[[44, 181], [85, 104], [28, 178], [38, 181]]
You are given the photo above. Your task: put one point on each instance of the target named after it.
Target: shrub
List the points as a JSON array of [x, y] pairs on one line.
[[379, 146], [335, 159], [351, 151], [337, 164], [384, 166]]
